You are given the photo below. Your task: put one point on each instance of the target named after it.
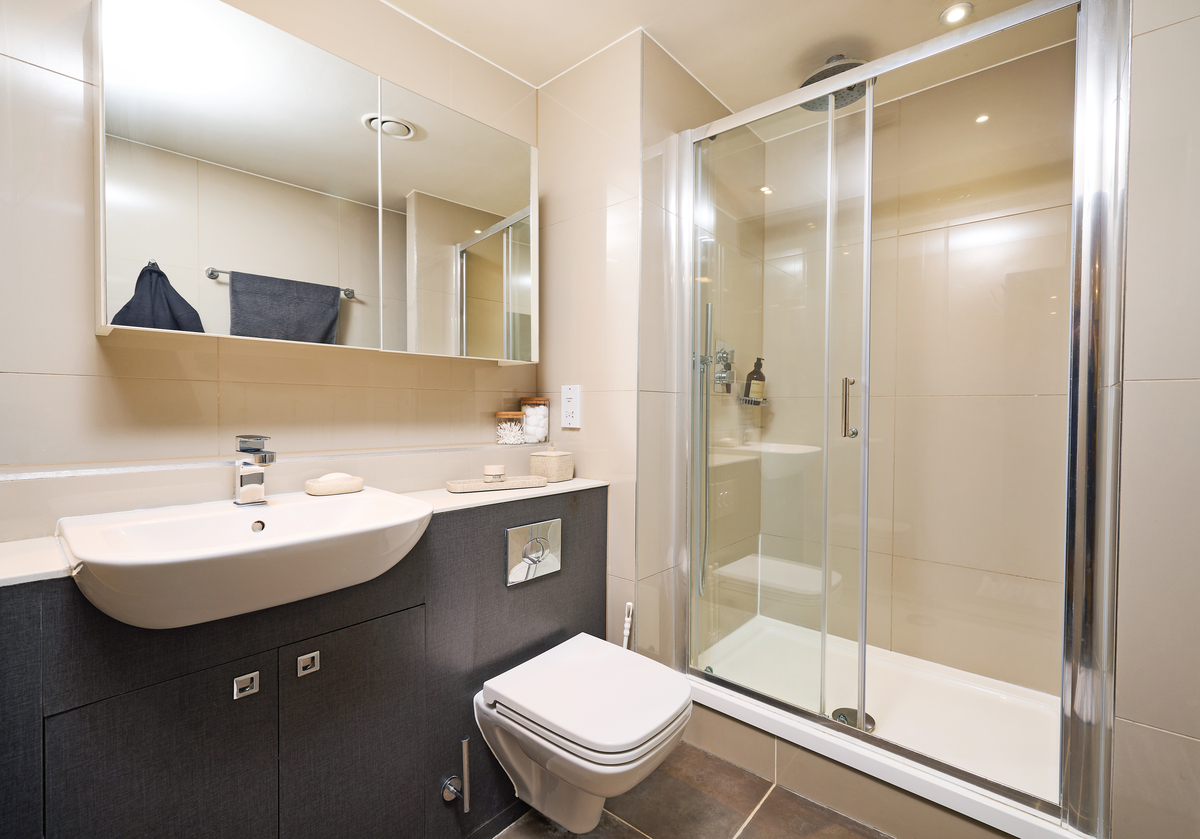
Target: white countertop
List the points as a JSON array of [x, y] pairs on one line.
[[443, 500], [41, 559]]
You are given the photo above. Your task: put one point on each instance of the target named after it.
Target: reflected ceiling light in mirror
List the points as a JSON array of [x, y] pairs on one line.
[[397, 129], [766, 190], [981, 118], [956, 14]]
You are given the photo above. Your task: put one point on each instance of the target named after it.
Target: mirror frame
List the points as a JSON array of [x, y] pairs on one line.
[[104, 327]]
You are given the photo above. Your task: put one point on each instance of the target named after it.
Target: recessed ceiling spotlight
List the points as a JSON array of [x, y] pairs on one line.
[[395, 128], [982, 118], [766, 190], [478, 232], [956, 13]]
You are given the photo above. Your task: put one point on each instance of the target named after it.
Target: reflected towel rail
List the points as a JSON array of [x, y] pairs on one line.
[[213, 273]]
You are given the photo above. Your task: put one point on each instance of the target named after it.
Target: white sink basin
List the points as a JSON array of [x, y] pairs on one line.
[[177, 566]]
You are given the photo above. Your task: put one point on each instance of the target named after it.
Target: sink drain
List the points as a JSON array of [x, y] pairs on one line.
[[258, 526]]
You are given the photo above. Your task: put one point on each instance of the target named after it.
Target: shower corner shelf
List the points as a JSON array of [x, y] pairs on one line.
[[746, 400]]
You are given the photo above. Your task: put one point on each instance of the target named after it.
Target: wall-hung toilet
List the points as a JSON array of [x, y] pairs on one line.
[[580, 723]]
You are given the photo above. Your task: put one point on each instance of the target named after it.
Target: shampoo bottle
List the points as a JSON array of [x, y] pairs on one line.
[[756, 382]]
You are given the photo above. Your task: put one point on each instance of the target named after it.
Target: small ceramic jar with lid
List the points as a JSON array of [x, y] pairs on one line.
[[537, 418], [510, 428], [552, 465]]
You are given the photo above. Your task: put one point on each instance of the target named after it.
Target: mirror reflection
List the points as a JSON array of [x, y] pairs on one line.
[[252, 188]]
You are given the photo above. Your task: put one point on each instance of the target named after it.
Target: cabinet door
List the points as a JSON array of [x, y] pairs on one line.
[[179, 759], [350, 732]]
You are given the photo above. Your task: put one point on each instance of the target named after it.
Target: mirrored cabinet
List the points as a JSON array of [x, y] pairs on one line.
[[257, 186]]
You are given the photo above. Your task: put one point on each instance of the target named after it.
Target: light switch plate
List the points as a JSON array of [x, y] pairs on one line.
[[572, 409]]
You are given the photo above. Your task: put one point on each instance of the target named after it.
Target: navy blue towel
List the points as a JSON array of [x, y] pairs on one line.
[[156, 305], [287, 310]]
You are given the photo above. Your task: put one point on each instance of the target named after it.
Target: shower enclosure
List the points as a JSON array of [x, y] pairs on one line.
[[892, 542]]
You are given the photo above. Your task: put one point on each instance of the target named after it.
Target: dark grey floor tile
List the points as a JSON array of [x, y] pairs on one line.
[[785, 815], [533, 825], [693, 795]]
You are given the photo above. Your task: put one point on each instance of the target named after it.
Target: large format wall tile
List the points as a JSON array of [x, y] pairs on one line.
[[589, 301], [658, 536], [982, 308], [1155, 777], [1158, 572], [1161, 293], [1155, 14], [81, 419], [997, 625], [980, 482]]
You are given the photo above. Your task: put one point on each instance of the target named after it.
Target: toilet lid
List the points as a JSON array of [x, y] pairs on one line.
[[593, 693]]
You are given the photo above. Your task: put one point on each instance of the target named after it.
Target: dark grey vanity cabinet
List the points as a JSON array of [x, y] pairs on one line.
[[351, 722], [181, 759]]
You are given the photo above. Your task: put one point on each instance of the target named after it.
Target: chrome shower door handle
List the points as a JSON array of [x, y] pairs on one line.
[[847, 431]]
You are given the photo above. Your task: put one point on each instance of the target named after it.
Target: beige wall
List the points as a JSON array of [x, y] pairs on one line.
[[68, 397], [189, 214], [435, 226], [1157, 739]]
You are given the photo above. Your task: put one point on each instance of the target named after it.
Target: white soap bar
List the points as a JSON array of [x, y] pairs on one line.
[[335, 483]]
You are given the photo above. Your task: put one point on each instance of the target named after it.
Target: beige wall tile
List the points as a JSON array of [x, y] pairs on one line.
[[658, 533], [1158, 574], [151, 201], [656, 606], [672, 101], [979, 482], [657, 339], [1155, 14], [589, 134], [589, 300], [157, 355], [732, 740], [792, 486], [80, 419], [983, 308], [283, 362], [1155, 778], [898, 813], [261, 226], [54, 34], [522, 120], [996, 625], [1161, 341], [953, 169], [734, 501], [620, 592], [605, 449]]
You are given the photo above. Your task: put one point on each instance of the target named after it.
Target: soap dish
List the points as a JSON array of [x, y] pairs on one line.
[[480, 485], [335, 483]]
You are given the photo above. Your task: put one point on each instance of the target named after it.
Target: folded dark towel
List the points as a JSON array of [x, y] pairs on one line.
[[156, 305], [287, 310]]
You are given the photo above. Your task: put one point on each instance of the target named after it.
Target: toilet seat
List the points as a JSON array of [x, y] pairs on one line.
[[602, 758], [595, 699]]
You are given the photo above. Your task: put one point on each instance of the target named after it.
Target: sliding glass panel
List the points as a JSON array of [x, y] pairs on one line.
[[972, 244]]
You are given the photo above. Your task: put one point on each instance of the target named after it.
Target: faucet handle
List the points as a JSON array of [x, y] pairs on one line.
[[251, 442]]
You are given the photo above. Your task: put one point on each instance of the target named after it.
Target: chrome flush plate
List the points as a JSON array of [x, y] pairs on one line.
[[534, 550]]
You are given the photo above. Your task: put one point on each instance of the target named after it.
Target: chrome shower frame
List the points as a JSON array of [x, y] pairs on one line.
[[1103, 46]]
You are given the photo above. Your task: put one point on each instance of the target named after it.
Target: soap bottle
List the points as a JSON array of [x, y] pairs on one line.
[[756, 382]]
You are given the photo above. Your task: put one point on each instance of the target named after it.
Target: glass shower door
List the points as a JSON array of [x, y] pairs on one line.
[[778, 271]]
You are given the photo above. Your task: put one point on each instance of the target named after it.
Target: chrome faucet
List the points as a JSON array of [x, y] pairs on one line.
[[249, 470], [725, 378]]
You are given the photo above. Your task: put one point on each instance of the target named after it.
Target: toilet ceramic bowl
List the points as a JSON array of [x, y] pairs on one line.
[[581, 723]]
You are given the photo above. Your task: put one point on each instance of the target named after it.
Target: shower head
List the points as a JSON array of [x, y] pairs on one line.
[[847, 95]]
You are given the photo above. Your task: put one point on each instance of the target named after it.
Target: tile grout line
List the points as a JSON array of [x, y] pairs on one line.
[[628, 825], [754, 812]]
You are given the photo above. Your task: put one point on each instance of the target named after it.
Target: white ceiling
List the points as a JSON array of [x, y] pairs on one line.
[[744, 52]]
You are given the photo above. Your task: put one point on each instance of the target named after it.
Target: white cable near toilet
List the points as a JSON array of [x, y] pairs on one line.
[[628, 624]]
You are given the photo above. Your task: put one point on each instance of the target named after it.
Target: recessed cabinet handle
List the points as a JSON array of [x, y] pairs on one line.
[[243, 686], [308, 663]]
